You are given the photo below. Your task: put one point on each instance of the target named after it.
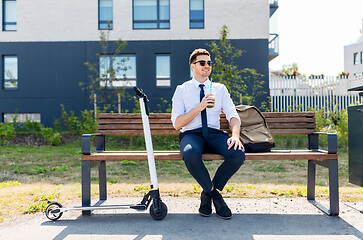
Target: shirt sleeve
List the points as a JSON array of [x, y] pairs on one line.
[[228, 106], [178, 107]]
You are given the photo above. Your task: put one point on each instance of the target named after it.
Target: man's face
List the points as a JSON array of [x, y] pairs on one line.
[[201, 72]]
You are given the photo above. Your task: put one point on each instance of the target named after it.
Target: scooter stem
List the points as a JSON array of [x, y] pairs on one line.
[[148, 142]]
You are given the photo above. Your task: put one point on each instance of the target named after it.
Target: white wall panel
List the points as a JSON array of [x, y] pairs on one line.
[[349, 51], [77, 20]]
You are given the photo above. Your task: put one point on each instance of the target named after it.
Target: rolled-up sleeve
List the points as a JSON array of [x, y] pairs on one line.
[[178, 107], [228, 106]]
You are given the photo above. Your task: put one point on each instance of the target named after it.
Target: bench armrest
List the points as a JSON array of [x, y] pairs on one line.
[[86, 143], [313, 139]]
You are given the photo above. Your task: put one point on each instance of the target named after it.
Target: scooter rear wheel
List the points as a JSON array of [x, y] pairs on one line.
[[158, 213], [53, 215]]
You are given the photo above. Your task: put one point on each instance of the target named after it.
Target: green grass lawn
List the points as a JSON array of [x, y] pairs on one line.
[[62, 164], [31, 175]]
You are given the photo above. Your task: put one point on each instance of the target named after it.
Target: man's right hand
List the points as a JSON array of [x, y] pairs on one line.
[[208, 100], [186, 118]]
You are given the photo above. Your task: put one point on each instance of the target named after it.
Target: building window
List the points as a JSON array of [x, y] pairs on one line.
[[105, 14], [123, 67], [9, 15], [21, 117], [361, 57], [196, 13], [163, 70], [151, 14], [10, 72], [355, 59]]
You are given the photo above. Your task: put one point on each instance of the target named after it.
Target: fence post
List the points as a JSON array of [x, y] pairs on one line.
[[119, 102], [95, 104]]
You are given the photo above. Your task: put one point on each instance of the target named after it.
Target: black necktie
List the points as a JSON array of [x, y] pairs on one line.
[[204, 114]]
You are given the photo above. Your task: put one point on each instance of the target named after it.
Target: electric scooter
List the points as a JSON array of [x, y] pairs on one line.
[[158, 209]]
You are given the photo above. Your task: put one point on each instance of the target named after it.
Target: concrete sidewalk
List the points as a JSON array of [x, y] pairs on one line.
[[257, 219]]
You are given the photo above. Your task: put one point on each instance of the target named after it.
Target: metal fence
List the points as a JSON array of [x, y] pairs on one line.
[[329, 93]]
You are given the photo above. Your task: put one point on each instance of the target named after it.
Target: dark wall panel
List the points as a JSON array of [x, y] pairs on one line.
[[49, 73]]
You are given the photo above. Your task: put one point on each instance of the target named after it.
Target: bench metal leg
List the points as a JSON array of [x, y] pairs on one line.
[[311, 180], [102, 180], [86, 186], [333, 186]]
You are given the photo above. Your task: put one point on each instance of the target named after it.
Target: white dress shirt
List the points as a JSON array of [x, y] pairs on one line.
[[187, 96]]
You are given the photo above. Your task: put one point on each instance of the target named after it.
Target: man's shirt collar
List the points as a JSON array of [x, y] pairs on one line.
[[196, 83]]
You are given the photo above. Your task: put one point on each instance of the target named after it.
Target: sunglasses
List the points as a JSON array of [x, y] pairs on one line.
[[203, 62]]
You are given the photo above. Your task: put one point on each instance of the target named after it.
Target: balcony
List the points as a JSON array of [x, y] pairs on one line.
[[274, 4], [273, 46]]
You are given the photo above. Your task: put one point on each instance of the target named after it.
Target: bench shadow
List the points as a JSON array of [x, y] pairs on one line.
[[192, 226]]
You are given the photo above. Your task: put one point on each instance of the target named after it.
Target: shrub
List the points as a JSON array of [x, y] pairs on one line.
[[52, 138], [57, 125], [69, 120], [86, 122], [7, 132], [15, 121], [321, 122], [46, 132], [31, 126], [55, 139], [339, 122], [164, 106]]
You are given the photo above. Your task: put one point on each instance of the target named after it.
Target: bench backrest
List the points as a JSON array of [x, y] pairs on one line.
[[160, 124]]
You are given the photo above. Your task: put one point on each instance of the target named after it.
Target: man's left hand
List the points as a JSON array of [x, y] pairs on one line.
[[236, 142]]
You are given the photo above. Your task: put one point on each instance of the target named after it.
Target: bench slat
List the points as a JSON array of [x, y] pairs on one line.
[[134, 126], [137, 132], [104, 121], [290, 120], [160, 123], [288, 114], [168, 115], [175, 155], [291, 131], [175, 132], [133, 115], [291, 125], [222, 126]]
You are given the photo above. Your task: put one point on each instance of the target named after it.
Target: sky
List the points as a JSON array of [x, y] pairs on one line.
[[313, 33]]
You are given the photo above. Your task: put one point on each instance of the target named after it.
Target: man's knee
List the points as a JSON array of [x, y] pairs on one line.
[[191, 154], [236, 156]]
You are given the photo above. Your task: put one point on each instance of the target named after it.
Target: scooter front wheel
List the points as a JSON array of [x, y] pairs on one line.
[[158, 213], [52, 212]]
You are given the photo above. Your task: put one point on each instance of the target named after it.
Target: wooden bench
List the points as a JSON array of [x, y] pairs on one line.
[[160, 124]]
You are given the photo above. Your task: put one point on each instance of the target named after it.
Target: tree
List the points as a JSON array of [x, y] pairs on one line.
[[109, 70], [254, 87], [245, 85], [224, 71]]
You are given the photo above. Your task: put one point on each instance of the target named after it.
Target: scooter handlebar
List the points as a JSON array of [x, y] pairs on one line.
[[141, 94]]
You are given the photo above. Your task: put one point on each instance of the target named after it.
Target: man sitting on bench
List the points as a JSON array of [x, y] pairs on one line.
[[197, 105]]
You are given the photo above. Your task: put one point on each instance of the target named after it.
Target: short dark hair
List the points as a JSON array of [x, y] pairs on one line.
[[197, 52]]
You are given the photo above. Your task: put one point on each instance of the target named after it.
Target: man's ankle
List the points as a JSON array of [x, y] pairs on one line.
[[215, 194]]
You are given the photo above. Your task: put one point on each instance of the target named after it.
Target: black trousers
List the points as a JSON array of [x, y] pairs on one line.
[[193, 145]]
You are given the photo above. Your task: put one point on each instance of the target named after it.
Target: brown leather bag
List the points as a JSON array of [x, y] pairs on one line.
[[255, 134]]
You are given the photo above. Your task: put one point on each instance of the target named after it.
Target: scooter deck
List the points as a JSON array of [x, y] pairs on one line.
[[140, 207]]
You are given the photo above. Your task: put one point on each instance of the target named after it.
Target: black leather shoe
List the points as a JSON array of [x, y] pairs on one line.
[[205, 208], [222, 210]]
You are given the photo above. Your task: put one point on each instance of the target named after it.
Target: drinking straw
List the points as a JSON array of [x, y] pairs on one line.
[[210, 87]]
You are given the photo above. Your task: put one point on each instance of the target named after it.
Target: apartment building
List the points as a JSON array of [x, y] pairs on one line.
[[353, 56], [45, 43]]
